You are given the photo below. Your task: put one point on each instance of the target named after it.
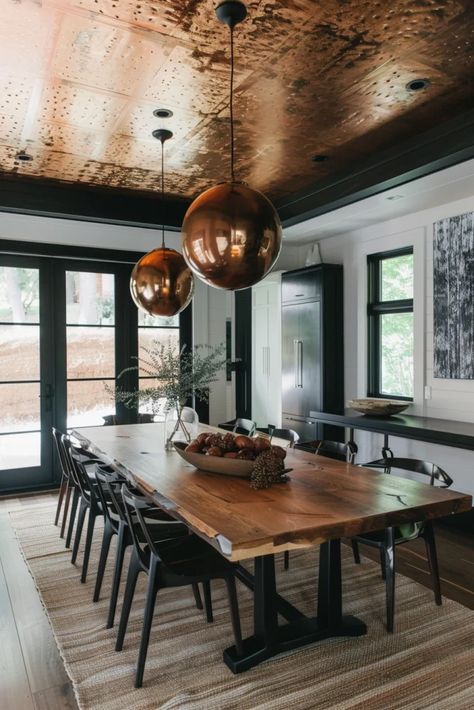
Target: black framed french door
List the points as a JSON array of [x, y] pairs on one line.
[[26, 373], [68, 326]]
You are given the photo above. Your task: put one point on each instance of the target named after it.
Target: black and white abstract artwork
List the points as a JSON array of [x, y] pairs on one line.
[[453, 297]]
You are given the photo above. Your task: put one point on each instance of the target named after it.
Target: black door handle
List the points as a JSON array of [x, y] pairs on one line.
[[48, 395]]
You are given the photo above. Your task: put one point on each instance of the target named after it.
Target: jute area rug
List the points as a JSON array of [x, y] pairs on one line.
[[427, 663]]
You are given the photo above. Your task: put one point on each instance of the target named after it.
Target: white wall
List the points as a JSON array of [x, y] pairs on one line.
[[450, 399]]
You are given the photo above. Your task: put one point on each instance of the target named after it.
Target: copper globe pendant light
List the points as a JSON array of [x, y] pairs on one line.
[[231, 233], [161, 283]]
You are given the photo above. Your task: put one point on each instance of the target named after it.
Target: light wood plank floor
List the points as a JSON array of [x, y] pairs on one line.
[[32, 675]]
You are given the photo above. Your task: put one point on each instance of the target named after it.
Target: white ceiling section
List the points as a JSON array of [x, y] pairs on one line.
[[445, 186]]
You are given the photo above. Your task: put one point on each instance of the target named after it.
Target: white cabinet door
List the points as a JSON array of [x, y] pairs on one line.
[[259, 365], [266, 349]]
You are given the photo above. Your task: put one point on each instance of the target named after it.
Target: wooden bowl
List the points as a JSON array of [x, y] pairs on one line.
[[215, 464], [378, 407]]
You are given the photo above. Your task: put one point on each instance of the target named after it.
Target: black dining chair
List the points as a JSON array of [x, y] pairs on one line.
[[162, 527], [171, 563], [387, 540], [88, 501], [289, 435], [239, 426], [337, 450], [67, 484]]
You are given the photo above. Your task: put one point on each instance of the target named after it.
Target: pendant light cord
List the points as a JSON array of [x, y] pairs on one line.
[[163, 193], [232, 176]]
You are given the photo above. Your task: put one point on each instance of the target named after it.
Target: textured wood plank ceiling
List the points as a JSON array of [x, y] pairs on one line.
[[79, 80]]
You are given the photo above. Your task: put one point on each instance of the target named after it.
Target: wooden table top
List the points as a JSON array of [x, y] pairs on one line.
[[324, 499]]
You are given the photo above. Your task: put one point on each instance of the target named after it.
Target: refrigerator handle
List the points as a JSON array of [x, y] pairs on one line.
[[300, 361], [295, 362]]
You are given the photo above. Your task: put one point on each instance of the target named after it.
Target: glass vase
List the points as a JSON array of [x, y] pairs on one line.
[[181, 425]]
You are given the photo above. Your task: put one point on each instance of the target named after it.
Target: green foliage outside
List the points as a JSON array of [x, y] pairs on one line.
[[397, 328]]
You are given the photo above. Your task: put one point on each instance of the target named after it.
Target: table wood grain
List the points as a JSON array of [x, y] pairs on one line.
[[324, 499]]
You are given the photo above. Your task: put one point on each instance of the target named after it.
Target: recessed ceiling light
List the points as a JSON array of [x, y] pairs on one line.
[[417, 84], [162, 113], [319, 158], [394, 197], [23, 156]]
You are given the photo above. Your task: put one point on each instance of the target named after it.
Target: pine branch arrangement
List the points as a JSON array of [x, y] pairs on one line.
[[179, 374]]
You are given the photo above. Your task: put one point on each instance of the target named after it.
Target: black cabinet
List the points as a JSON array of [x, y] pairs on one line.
[[312, 348]]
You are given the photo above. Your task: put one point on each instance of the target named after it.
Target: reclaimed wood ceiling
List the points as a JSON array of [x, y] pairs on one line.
[[79, 80]]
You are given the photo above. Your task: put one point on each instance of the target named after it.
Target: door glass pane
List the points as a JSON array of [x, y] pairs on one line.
[[147, 407], [397, 354], [90, 352], [158, 321], [397, 278], [19, 295], [89, 298], [20, 407], [19, 348], [87, 402], [151, 338], [20, 451]]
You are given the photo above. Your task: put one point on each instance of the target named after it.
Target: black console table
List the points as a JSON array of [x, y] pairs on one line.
[[434, 431]]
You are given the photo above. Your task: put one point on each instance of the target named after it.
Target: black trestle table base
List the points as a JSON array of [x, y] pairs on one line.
[[270, 638]]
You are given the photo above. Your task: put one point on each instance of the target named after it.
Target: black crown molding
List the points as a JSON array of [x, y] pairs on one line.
[[51, 198], [445, 145]]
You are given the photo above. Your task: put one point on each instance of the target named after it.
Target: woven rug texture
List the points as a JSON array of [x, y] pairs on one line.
[[427, 663]]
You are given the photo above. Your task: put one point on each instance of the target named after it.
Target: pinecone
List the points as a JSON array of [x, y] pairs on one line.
[[268, 469]]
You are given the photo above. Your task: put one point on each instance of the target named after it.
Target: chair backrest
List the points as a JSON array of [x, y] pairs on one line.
[[189, 415], [61, 451], [79, 472], [287, 434], [244, 426], [135, 507], [337, 450], [425, 468], [109, 485]]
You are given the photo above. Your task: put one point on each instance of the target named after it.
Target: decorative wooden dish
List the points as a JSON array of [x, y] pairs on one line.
[[215, 464], [377, 407]]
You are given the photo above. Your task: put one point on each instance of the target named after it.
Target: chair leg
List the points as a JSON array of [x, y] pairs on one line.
[[67, 499], [87, 548], [62, 489], [430, 544], [234, 613], [117, 575], [197, 596], [286, 559], [72, 516], [80, 525], [152, 589], [208, 601], [104, 553], [133, 572], [389, 555], [355, 551], [382, 562]]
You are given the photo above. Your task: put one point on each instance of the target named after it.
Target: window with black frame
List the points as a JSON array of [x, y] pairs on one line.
[[390, 320]]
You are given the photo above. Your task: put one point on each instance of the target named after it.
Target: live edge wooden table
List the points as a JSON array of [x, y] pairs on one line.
[[324, 501]]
